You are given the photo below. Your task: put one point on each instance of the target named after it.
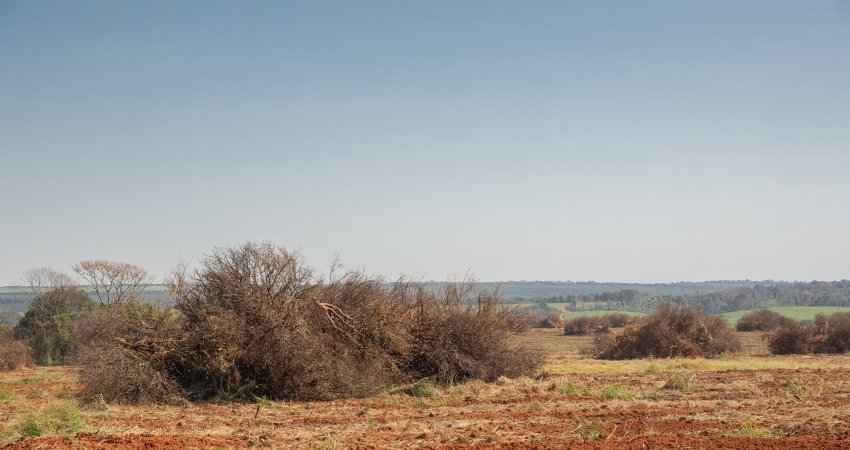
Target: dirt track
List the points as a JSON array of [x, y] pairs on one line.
[[736, 402]]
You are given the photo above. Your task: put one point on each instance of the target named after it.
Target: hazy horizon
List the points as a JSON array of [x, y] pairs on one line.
[[629, 142]]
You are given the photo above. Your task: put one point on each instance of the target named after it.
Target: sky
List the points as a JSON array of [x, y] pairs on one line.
[[646, 141]]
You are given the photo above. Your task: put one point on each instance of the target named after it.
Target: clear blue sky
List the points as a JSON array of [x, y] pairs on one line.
[[632, 141]]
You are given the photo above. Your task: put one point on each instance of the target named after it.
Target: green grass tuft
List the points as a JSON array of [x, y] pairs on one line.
[[570, 388], [615, 391]]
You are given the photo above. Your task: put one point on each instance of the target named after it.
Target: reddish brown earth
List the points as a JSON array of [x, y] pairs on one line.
[[735, 402]]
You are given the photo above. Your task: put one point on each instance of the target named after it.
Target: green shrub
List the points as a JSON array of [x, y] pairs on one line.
[[28, 427]]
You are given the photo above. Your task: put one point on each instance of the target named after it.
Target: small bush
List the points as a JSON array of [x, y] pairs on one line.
[[762, 320], [668, 333], [792, 339], [520, 323], [28, 427], [13, 354], [826, 334], [552, 320], [593, 324]]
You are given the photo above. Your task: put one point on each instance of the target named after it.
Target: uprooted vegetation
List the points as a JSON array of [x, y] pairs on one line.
[[826, 334], [668, 332], [254, 321], [593, 324], [763, 320]]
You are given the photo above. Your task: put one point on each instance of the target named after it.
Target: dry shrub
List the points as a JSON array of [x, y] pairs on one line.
[[120, 376], [552, 320], [13, 354], [795, 338], [458, 334], [667, 333], [253, 321], [584, 325], [827, 334], [762, 320], [520, 323]]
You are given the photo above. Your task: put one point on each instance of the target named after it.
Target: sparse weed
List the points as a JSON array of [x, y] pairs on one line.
[[589, 429], [570, 388], [750, 431], [680, 381]]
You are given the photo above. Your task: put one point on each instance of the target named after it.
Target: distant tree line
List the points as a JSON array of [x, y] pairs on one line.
[[814, 293]]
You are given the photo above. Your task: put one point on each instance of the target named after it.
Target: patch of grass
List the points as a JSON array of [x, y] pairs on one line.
[[328, 443], [615, 391], [750, 431], [6, 394], [57, 419], [680, 381], [570, 388], [795, 389], [63, 418]]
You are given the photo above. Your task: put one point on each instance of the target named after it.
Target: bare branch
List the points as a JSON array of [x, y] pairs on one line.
[[114, 282]]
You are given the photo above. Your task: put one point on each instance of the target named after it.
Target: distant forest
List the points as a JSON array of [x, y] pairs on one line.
[[814, 293], [712, 296]]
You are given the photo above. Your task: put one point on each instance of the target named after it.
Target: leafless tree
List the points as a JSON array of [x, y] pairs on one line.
[[45, 278], [114, 282]]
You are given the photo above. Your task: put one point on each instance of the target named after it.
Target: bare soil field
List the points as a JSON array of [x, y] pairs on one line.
[[748, 400]]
